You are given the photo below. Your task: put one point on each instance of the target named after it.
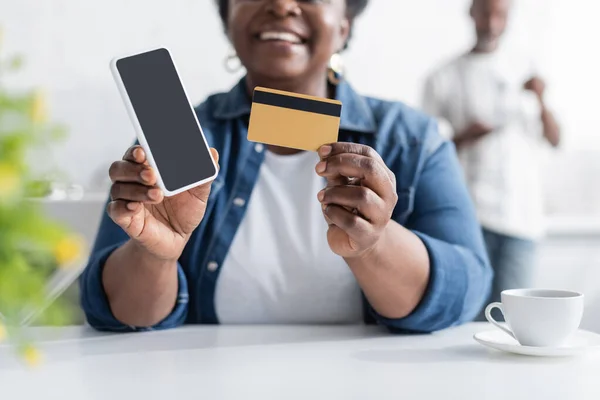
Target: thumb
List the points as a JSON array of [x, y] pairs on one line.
[[215, 155], [202, 192]]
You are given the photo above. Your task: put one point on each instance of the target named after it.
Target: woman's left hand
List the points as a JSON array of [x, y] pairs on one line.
[[359, 198]]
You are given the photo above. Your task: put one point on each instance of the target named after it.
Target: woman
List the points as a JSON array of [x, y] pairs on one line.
[[283, 236]]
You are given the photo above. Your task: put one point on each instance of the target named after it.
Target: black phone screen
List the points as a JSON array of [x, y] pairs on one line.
[[169, 124]]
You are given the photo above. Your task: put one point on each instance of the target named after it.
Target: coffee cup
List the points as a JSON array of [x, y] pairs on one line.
[[539, 317]]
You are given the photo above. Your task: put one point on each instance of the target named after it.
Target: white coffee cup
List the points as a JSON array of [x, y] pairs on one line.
[[539, 317]]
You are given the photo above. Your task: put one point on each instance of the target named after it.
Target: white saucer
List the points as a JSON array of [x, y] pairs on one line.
[[582, 342]]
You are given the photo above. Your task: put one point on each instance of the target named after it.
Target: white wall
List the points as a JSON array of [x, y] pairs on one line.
[[68, 43]]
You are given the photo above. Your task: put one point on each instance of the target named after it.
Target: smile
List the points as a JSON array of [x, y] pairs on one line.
[[281, 36]]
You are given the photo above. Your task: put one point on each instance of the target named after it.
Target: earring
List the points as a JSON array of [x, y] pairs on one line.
[[336, 69], [232, 63]]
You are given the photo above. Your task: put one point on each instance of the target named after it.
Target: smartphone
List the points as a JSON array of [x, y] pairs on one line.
[[165, 122]]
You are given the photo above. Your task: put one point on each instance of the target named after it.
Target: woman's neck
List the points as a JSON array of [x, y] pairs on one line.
[[313, 87], [316, 86]]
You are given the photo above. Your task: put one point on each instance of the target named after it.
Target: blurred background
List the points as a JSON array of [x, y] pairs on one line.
[[67, 45]]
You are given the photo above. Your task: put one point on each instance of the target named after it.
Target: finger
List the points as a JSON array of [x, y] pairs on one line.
[[327, 220], [122, 212], [136, 192], [135, 154], [338, 181], [355, 226], [203, 191], [334, 149], [360, 198], [372, 172], [215, 156], [128, 171], [392, 177]]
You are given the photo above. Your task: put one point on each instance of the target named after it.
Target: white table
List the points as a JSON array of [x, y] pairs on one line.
[[228, 362]]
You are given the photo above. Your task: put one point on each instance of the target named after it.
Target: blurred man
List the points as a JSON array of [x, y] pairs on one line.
[[498, 120]]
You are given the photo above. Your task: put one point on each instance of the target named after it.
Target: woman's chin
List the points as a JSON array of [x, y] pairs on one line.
[[278, 73]]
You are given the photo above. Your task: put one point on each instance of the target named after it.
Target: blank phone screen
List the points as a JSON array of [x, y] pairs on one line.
[[166, 118]]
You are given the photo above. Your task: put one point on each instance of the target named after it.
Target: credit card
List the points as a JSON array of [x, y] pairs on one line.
[[293, 120]]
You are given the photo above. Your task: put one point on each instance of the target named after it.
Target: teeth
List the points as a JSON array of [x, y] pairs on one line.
[[285, 36]]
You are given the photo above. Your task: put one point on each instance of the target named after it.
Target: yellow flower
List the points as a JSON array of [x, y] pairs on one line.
[[32, 356], [68, 249], [39, 109], [10, 181], [3, 333]]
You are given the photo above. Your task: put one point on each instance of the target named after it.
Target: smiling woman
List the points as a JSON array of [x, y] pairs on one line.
[[375, 228], [353, 9], [289, 48]]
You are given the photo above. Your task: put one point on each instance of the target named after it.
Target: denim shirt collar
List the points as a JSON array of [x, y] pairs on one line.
[[356, 114]]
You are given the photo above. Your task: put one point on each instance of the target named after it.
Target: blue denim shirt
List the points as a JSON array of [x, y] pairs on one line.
[[433, 203]]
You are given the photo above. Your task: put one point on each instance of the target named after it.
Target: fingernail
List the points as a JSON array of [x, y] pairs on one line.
[[147, 175], [137, 153], [132, 206], [321, 195], [154, 194], [325, 151], [321, 167]]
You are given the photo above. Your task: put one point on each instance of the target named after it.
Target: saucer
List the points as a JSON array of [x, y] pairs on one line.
[[582, 342]]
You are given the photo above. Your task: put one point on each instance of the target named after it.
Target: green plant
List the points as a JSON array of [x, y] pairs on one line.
[[31, 245]]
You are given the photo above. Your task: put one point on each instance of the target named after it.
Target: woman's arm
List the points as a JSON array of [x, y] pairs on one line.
[[394, 273], [142, 289], [430, 274], [133, 279], [390, 263], [116, 271]]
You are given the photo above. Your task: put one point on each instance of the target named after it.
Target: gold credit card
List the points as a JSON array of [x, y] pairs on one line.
[[293, 120]]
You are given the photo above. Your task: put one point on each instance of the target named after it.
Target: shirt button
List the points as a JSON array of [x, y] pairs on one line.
[[258, 147], [239, 202], [212, 266]]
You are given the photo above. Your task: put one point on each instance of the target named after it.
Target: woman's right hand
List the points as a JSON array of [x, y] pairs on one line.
[[161, 225]]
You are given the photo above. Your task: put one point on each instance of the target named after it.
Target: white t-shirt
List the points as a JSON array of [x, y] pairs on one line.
[[503, 168], [280, 268]]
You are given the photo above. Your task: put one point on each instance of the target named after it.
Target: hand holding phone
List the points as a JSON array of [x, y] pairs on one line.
[[161, 225], [161, 187], [165, 122]]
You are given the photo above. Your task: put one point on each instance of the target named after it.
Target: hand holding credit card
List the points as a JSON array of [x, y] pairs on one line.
[[293, 120]]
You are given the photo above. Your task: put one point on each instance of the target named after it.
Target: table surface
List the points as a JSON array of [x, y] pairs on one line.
[[287, 362]]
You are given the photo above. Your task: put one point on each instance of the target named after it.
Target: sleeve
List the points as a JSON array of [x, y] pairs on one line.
[[93, 297], [460, 273], [433, 104]]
